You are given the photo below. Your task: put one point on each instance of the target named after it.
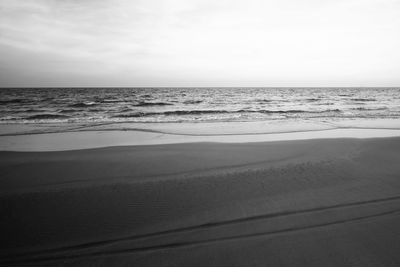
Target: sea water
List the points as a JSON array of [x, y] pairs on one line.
[[169, 105]]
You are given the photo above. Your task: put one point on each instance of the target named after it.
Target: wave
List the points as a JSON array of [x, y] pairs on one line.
[[201, 112], [47, 117], [291, 111], [126, 109], [136, 115], [171, 113], [369, 109], [69, 110], [196, 112], [282, 111], [264, 101], [96, 110], [111, 101], [13, 101], [9, 118], [144, 104], [83, 104], [32, 110], [363, 99], [29, 110], [192, 102]]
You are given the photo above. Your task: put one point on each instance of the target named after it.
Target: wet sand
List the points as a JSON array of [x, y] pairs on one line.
[[88, 139], [325, 202]]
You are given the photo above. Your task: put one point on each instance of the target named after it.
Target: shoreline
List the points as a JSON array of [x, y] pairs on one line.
[[89, 139], [204, 127]]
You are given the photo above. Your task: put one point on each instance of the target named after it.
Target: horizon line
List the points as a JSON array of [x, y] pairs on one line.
[[150, 87]]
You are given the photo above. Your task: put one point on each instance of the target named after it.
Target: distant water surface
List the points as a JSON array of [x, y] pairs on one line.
[[94, 105]]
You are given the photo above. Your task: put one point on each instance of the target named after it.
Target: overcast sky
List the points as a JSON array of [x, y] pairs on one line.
[[199, 43]]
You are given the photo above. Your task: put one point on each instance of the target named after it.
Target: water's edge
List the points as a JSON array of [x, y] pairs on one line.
[[63, 141]]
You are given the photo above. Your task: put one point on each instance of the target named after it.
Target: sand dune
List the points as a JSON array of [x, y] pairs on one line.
[[315, 202]]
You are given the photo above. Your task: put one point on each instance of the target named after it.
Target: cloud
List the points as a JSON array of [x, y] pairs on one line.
[[201, 41]]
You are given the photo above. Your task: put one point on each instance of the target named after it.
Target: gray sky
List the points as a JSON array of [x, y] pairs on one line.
[[199, 43]]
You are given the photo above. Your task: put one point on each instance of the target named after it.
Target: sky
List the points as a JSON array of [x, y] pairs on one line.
[[52, 43]]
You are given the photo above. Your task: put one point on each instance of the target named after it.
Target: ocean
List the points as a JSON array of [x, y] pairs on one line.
[[164, 105]]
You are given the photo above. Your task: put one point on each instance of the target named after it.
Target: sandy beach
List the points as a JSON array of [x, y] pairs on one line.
[[322, 202], [199, 133]]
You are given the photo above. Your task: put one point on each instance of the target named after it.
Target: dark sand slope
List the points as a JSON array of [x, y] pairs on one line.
[[319, 202]]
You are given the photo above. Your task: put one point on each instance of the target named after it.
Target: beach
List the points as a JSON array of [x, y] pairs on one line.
[[311, 202], [199, 133]]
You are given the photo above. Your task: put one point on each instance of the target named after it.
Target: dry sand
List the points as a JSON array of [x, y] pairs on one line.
[[333, 202]]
